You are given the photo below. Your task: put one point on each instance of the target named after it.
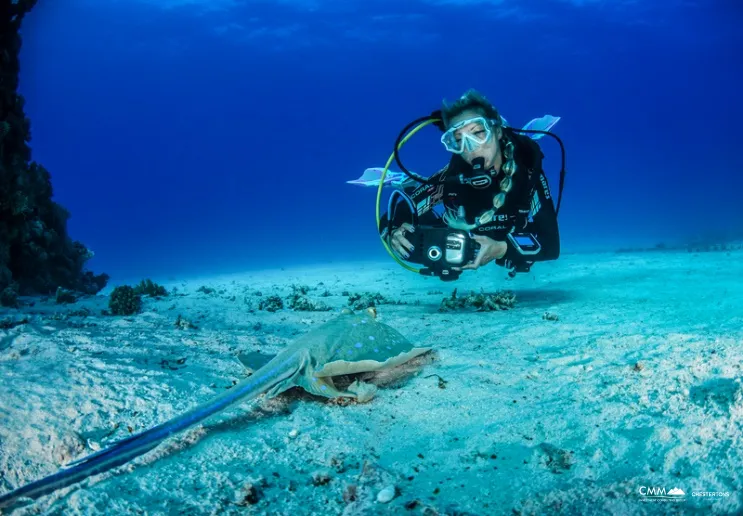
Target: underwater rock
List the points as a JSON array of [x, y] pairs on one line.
[[8, 323], [386, 495], [65, 296], [184, 324], [321, 477], [68, 447], [9, 297], [555, 459], [36, 252], [250, 494]]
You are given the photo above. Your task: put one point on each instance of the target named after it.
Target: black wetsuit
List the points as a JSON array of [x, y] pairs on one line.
[[528, 208]]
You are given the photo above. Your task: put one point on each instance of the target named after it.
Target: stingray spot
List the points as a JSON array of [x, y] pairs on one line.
[[363, 321], [314, 379], [349, 352], [358, 344], [354, 325], [376, 350], [371, 337], [323, 387]]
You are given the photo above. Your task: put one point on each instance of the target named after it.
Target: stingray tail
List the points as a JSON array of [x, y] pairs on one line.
[[127, 449]]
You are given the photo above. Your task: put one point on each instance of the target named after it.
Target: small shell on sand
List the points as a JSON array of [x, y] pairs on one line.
[[386, 495]]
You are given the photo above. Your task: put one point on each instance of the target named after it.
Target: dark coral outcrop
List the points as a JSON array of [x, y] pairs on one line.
[[36, 253]]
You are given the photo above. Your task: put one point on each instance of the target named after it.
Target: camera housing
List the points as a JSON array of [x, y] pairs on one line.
[[439, 249]]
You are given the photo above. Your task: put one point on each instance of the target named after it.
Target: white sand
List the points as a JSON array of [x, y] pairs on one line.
[[638, 383]]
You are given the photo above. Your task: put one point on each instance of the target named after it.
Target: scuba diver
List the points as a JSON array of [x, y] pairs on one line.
[[493, 191]]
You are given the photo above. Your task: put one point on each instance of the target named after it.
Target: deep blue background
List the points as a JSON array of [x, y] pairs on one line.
[[210, 136]]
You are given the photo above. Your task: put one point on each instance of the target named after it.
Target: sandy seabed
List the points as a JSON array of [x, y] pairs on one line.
[[613, 380]]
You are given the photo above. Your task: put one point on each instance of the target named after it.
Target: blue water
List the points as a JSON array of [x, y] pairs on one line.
[[199, 136]]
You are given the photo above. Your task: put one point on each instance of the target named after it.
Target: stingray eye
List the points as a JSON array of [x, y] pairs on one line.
[[372, 311]]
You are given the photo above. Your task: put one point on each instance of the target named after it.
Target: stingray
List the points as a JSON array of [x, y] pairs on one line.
[[347, 345]]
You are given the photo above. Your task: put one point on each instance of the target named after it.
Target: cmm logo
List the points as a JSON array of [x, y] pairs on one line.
[[659, 494]]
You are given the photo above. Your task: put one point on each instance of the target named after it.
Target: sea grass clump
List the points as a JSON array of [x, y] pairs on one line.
[[148, 287], [362, 301], [300, 289], [124, 300], [271, 304], [302, 303], [479, 302], [185, 324]]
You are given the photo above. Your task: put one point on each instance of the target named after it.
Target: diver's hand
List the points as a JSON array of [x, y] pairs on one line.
[[399, 243], [489, 250]]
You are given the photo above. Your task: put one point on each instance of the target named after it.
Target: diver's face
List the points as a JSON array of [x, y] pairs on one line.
[[488, 150]]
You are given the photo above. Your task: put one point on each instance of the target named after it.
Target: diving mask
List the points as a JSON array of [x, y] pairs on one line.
[[458, 140]]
